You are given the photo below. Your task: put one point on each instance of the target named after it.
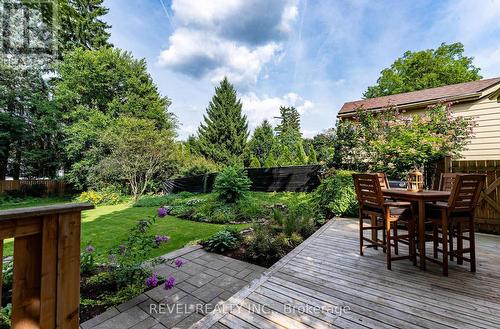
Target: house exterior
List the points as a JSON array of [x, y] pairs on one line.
[[478, 99]]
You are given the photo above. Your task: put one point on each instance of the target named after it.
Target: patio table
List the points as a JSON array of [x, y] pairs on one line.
[[421, 198]]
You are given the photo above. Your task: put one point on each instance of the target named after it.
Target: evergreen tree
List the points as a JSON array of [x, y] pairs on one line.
[[254, 162], [79, 23], [262, 141], [290, 121], [288, 131], [313, 158], [302, 158], [285, 158], [223, 135], [270, 161]]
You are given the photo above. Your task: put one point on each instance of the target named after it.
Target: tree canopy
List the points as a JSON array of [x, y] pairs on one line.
[[429, 68], [93, 89]]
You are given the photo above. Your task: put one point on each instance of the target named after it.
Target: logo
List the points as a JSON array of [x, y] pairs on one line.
[[28, 29]]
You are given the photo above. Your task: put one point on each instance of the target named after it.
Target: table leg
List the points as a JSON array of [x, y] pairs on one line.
[[421, 233]]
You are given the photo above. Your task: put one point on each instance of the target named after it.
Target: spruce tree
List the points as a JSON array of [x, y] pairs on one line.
[[262, 141], [313, 158], [254, 162], [302, 158], [270, 161], [285, 158], [223, 135], [290, 121]]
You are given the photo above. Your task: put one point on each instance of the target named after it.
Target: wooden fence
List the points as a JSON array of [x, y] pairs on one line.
[[292, 178], [488, 211], [54, 187]]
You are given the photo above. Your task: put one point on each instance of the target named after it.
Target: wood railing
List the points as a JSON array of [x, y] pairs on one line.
[[46, 279]]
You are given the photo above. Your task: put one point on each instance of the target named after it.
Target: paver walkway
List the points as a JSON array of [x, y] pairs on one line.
[[325, 283], [205, 280]]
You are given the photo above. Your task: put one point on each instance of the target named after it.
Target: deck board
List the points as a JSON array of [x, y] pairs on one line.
[[326, 272]]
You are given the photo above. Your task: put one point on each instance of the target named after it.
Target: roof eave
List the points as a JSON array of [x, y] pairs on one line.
[[459, 98]]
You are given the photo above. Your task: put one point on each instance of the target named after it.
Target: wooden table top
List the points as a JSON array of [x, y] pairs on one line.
[[425, 194]]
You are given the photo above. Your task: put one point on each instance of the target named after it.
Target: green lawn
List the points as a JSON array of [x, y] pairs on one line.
[[106, 226], [31, 202]]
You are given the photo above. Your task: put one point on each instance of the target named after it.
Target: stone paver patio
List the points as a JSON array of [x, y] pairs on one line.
[[205, 280]]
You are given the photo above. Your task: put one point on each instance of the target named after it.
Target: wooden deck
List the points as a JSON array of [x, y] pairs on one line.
[[327, 272]]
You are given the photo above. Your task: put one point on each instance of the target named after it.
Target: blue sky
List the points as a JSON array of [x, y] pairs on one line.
[[314, 55]]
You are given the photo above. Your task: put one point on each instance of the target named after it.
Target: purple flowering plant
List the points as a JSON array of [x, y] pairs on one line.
[[179, 262], [87, 261], [128, 264], [169, 283], [152, 281]]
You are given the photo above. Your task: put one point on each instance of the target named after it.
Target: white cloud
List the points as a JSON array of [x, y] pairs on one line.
[[259, 108], [236, 38]]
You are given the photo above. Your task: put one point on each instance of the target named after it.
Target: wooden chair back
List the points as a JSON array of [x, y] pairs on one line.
[[384, 182], [368, 190], [465, 192], [446, 181]]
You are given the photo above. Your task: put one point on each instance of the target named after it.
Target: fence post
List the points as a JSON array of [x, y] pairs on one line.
[[448, 164]]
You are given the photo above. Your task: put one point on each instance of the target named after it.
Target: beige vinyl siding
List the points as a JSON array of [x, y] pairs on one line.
[[485, 145]]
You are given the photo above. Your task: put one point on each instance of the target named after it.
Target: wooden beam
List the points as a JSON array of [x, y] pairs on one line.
[[26, 282], [48, 290], [68, 270], [44, 210]]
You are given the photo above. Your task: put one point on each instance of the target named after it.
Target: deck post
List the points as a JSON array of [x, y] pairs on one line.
[[46, 280]]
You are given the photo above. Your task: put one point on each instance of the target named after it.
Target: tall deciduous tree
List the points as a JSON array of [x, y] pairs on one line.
[[222, 137], [425, 69], [94, 89], [262, 141]]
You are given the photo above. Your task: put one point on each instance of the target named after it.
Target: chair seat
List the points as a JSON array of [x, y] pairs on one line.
[[433, 212]]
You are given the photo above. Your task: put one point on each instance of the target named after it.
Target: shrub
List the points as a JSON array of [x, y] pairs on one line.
[[5, 316], [198, 165], [228, 239], [336, 195], [107, 196], [261, 246], [232, 184], [160, 200], [266, 248]]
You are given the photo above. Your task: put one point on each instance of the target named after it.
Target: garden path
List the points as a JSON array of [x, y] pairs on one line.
[[205, 280]]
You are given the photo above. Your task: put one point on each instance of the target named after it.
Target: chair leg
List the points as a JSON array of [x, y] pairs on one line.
[[435, 240], [472, 244], [450, 240], [444, 228], [411, 236], [384, 238], [373, 221], [388, 241], [460, 244], [396, 238], [360, 233]]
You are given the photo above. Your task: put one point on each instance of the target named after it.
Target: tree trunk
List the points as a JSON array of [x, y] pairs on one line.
[[16, 167]]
